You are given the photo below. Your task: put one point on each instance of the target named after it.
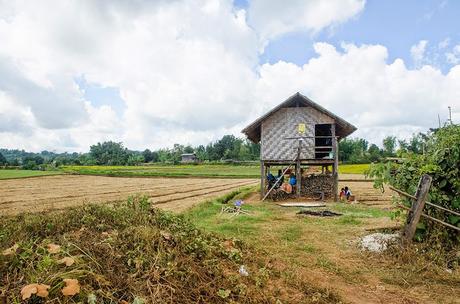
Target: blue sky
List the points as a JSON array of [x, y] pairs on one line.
[[397, 25], [101, 95]]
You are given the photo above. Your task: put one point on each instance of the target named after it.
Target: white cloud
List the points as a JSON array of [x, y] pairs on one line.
[[358, 84], [453, 57], [418, 52], [188, 72], [177, 66], [444, 44], [272, 18]]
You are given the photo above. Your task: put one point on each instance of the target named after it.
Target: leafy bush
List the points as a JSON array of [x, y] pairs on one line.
[[442, 162]]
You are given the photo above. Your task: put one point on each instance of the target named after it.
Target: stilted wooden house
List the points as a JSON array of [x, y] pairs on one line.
[[300, 133]]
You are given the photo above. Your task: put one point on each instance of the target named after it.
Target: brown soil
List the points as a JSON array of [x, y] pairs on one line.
[[57, 192]]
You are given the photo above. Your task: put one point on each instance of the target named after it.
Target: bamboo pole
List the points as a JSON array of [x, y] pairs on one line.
[[428, 203], [430, 218]]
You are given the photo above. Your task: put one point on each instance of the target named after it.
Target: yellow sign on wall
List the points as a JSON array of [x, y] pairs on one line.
[[302, 128]]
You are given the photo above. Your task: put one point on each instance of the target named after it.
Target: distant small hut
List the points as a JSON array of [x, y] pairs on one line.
[[188, 158], [299, 133]]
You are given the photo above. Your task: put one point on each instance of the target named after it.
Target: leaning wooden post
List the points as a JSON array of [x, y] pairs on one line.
[[297, 170], [416, 210], [262, 179]]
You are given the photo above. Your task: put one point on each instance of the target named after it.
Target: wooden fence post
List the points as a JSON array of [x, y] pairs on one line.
[[416, 210]]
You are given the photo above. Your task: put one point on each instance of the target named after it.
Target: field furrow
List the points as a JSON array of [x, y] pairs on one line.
[[58, 192]]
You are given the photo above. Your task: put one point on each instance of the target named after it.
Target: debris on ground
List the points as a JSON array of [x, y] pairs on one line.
[[236, 209], [41, 290], [318, 213], [243, 271], [378, 242], [304, 205], [72, 287]]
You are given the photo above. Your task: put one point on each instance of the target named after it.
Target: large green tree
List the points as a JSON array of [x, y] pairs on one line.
[[109, 153], [389, 145], [2, 159]]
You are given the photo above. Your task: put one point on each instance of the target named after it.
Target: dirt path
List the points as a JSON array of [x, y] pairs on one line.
[[325, 252], [57, 192]]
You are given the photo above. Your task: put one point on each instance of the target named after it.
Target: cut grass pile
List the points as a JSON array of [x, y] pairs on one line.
[[13, 173], [215, 170], [130, 252]]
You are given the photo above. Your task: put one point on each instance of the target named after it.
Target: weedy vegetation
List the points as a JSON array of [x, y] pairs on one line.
[[17, 173], [441, 161], [131, 253]]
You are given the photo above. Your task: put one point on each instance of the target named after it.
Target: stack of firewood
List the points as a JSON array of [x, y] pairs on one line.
[[315, 184]]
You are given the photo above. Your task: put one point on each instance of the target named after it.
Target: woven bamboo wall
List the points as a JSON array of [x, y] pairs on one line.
[[284, 123]]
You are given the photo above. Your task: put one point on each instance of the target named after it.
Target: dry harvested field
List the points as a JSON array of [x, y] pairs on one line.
[[57, 192]]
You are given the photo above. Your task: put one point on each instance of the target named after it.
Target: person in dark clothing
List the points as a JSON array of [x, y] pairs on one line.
[[270, 180], [280, 174]]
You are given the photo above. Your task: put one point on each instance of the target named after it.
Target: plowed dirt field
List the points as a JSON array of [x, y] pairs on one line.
[[58, 192]]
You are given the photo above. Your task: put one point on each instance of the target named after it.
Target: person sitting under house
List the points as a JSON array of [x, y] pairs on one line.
[[342, 194], [270, 180], [292, 181], [347, 193], [280, 174]]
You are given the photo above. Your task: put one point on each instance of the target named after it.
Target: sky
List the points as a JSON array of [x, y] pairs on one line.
[[154, 73]]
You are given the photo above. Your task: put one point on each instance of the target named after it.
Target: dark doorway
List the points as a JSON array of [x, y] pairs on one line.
[[323, 145]]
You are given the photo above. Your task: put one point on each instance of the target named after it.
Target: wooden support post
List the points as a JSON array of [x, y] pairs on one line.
[[262, 179], [298, 176], [335, 167], [416, 210]]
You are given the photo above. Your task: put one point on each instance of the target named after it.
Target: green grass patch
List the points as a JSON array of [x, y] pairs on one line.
[[353, 168], [13, 173], [209, 216], [349, 220], [361, 211], [309, 248], [291, 233], [229, 171], [323, 262], [207, 170]]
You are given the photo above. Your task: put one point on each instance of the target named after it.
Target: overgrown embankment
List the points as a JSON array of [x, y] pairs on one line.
[[440, 160], [133, 253]]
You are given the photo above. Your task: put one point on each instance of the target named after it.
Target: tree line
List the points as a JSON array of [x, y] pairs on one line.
[[112, 153], [229, 147], [359, 150]]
